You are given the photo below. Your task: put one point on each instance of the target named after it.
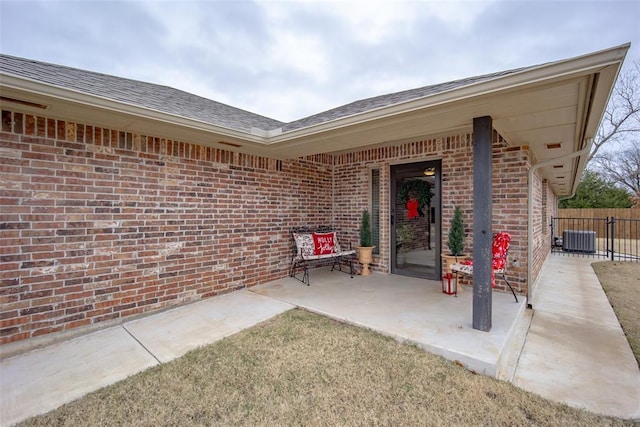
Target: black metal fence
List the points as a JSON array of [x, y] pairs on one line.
[[611, 238]]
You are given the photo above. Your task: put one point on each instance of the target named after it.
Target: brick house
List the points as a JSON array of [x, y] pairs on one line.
[[121, 197]]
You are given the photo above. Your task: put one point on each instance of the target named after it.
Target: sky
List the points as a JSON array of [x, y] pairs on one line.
[[290, 59]]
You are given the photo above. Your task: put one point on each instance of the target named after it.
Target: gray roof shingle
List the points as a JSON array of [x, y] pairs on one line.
[[153, 96], [380, 101], [180, 103]]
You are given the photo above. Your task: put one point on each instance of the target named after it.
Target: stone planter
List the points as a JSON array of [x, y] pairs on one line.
[[365, 256]]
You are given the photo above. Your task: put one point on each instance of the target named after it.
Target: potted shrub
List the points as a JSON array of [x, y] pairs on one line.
[[455, 240], [403, 236], [365, 250]]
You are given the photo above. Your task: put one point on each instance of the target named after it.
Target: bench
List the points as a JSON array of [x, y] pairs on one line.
[[315, 245], [499, 252]]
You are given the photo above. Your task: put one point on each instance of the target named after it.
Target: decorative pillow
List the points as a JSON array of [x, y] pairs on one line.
[[324, 243], [304, 242], [499, 250]]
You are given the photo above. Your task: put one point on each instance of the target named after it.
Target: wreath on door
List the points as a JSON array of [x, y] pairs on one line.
[[415, 194]]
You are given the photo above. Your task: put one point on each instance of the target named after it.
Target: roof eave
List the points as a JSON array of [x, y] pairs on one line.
[[603, 87], [581, 65], [605, 64], [49, 95]]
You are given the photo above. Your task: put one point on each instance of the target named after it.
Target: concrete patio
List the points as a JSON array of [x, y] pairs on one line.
[[574, 349], [414, 310]]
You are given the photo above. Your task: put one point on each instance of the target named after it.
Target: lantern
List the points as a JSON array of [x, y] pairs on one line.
[[450, 284]]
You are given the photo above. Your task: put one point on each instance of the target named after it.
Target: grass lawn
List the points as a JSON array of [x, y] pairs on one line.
[[621, 283], [303, 369]]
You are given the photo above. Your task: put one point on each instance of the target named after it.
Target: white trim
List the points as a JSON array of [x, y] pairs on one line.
[[95, 101], [561, 69], [581, 65]]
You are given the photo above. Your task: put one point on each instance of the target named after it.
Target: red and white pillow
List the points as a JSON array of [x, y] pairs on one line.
[[324, 243], [310, 244]]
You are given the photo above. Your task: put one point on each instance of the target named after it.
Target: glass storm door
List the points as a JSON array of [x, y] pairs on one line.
[[415, 219]]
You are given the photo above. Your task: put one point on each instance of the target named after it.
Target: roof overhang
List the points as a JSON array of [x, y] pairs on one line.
[[43, 99], [554, 108]]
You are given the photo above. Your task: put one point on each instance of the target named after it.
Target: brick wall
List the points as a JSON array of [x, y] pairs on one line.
[[352, 172], [509, 198], [544, 207], [510, 164], [100, 224], [97, 224]]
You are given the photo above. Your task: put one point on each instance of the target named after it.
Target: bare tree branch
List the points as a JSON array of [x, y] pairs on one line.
[[622, 116], [623, 167]]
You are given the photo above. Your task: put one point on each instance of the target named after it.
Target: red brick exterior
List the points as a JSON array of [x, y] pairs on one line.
[[98, 225], [544, 207], [509, 181]]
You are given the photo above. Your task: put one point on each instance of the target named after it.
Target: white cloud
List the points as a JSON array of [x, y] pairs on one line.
[[458, 15], [289, 105], [289, 59], [374, 21], [303, 54], [179, 22]]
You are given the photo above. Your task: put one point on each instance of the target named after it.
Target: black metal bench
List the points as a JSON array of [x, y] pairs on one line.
[[319, 244]]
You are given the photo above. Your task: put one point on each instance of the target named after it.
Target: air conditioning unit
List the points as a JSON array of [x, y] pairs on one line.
[[579, 241]]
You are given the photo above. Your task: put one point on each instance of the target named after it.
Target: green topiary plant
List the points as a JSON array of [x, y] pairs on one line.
[[365, 230], [456, 233]]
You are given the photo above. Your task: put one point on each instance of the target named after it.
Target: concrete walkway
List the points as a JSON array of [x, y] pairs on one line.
[[575, 351]]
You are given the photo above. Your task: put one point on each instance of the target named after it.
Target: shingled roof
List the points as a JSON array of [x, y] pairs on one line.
[[156, 97], [381, 101], [179, 103]]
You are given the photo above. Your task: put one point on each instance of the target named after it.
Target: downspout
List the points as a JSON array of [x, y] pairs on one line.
[[585, 151]]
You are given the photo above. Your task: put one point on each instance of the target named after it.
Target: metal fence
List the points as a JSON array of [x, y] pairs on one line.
[[610, 237]]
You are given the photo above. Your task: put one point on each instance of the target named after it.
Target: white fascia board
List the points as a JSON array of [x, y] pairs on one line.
[[581, 65], [95, 101]]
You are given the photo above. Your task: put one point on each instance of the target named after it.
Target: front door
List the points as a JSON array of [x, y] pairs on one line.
[[415, 219]]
